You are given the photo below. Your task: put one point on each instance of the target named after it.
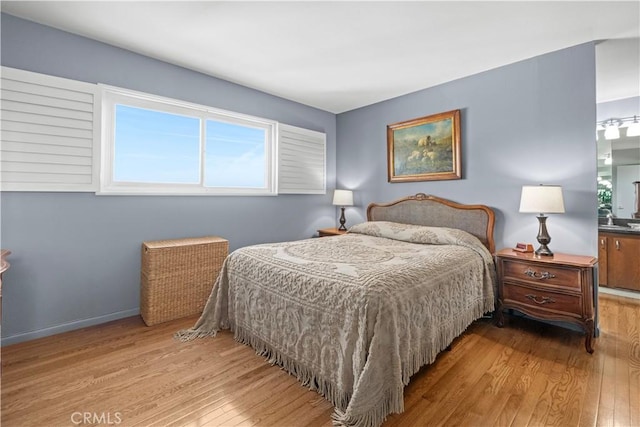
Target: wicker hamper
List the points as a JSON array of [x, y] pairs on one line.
[[177, 276]]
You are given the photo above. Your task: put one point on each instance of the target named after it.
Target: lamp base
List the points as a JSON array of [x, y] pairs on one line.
[[543, 237], [543, 250], [342, 221]]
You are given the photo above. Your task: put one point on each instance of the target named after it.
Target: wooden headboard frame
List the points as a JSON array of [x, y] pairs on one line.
[[423, 209]]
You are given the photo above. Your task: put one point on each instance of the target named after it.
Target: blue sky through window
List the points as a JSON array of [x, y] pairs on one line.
[[235, 156], [152, 146], [158, 147]]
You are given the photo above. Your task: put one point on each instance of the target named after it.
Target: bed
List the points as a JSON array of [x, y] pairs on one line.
[[355, 316]]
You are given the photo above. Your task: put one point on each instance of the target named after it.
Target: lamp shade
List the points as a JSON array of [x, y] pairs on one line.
[[343, 197], [541, 199]]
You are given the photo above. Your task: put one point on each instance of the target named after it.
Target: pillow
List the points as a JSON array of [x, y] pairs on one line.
[[421, 234]]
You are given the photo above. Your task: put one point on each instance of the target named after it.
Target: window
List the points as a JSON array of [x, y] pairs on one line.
[[173, 141], [232, 148], [66, 135], [154, 145]]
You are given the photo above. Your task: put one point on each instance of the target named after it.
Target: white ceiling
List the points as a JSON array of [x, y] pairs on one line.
[[338, 56]]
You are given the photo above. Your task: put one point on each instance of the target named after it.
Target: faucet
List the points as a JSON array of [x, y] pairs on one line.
[[610, 219]]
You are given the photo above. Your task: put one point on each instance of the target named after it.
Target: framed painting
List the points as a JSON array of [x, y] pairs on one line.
[[424, 149]]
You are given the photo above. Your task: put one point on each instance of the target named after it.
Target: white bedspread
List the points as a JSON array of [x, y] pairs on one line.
[[354, 316]]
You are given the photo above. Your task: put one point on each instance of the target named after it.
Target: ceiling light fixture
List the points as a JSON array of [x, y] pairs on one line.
[[612, 126], [611, 130], [634, 127]]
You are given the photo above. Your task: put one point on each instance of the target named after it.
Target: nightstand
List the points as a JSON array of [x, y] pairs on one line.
[[559, 287], [330, 232]]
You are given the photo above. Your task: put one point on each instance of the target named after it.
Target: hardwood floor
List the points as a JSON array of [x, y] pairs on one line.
[[124, 373]]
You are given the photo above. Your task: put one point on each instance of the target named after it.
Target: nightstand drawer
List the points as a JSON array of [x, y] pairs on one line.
[[542, 300], [541, 274], [548, 288]]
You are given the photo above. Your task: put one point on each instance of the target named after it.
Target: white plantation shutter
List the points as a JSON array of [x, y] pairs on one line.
[[301, 161], [50, 139], [48, 133]]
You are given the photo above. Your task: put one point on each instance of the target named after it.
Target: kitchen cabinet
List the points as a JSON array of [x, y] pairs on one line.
[[619, 260]]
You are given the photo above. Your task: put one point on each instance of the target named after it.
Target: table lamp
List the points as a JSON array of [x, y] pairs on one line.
[[342, 198], [542, 199]]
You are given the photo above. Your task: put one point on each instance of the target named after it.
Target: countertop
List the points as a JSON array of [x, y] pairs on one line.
[[618, 229]]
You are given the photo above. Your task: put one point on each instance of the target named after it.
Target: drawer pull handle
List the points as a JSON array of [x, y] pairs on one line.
[[544, 300], [542, 276]]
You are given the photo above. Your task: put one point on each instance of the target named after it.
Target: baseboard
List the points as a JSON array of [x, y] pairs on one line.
[[65, 327], [619, 292]]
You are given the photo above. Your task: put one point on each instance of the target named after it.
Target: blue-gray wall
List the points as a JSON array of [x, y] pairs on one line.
[[76, 256], [526, 123], [619, 108]]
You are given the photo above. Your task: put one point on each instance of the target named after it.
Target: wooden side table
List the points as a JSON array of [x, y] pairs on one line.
[[548, 288], [330, 232]]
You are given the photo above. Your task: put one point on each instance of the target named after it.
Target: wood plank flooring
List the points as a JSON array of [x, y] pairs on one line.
[[124, 373]]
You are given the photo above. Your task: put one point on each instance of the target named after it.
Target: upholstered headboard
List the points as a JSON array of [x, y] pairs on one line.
[[423, 209]]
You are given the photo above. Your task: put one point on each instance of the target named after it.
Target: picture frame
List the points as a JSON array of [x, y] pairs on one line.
[[425, 149]]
